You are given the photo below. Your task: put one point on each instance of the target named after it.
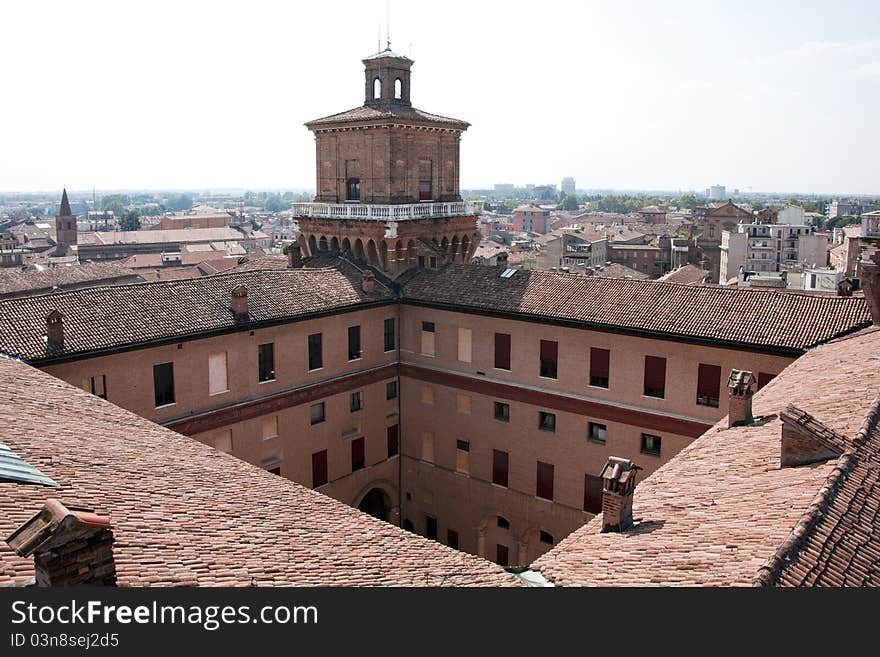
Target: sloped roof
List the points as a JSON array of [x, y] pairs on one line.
[[718, 512], [185, 514], [686, 275], [18, 282], [366, 114], [762, 318]]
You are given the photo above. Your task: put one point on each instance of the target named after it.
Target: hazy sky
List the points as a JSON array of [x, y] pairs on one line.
[[764, 96]]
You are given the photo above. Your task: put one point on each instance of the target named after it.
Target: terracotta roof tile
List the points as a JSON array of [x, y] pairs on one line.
[[185, 514], [396, 112], [764, 318]]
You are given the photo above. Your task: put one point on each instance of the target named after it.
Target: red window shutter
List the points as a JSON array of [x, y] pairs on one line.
[[655, 374], [599, 361], [592, 494], [319, 468], [358, 454], [549, 350], [502, 351], [545, 481], [499, 467], [708, 381], [393, 445], [501, 555]]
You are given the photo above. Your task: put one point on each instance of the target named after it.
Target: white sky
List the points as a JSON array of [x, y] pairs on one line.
[[780, 96]]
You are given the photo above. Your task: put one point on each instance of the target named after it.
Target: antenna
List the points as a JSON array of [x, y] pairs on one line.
[[379, 35], [388, 24]]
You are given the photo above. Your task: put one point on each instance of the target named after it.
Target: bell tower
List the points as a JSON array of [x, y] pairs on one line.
[[65, 227], [388, 179]]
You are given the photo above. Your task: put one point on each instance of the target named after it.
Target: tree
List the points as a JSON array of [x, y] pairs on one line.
[[131, 220], [115, 207], [275, 203], [180, 202], [569, 203]]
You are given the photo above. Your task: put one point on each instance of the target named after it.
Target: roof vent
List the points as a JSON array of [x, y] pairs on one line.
[[806, 440]]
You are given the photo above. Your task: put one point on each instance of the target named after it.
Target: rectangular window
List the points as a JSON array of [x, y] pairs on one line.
[[317, 413], [499, 467], [599, 367], [217, 374], [223, 441], [163, 384], [549, 353], [393, 443], [546, 421], [597, 433], [650, 444], [266, 362], [463, 403], [592, 493], [431, 528], [98, 386], [391, 390], [464, 345], [452, 538], [502, 412], [764, 379], [708, 385], [501, 554], [357, 401], [354, 342], [427, 394], [502, 351], [269, 426], [544, 486], [390, 341], [319, 468], [358, 454], [428, 446], [428, 338], [655, 376], [462, 453], [316, 352]]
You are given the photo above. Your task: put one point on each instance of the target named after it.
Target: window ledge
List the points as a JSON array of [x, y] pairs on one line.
[[220, 392], [267, 381], [166, 405]]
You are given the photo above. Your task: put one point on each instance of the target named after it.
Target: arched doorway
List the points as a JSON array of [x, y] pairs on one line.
[[322, 244], [313, 245], [334, 245], [359, 254], [376, 504], [372, 254], [346, 245]]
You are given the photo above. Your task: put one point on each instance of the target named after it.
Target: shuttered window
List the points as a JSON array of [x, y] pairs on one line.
[[599, 367], [655, 376], [544, 488], [428, 331], [217, 374], [502, 351], [389, 335], [358, 454], [354, 342], [316, 355], [464, 345], [393, 445], [549, 353], [319, 468], [163, 383], [708, 385], [592, 493], [499, 467]]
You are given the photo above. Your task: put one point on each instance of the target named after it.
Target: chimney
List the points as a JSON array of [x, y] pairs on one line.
[[501, 259], [845, 287], [294, 256], [806, 440], [618, 485], [71, 546], [368, 284], [55, 329], [239, 303], [740, 390], [870, 271]]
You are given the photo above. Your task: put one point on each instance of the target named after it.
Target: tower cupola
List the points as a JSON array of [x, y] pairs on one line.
[[387, 79]]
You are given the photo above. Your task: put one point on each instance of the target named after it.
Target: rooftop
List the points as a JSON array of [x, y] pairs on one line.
[[185, 514], [18, 282], [788, 321], [686, 274], [723, 511], [172, 235], [391, 112]]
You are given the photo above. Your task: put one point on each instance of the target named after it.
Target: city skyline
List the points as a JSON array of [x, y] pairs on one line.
[[219, 101]]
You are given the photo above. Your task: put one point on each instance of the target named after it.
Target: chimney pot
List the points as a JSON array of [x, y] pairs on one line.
[[71, 546], [741, 386], [368, 283], [239, 303], [618, 486], [294, 255], [55, 329]]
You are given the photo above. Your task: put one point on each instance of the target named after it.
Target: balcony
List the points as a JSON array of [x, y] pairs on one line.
[[370, 212]]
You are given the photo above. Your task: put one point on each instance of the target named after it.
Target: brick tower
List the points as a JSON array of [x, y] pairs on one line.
[[388, 179], [65, 227]]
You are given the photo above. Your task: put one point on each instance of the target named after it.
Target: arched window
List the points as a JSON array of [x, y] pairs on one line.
[[398, 89], [377, 88], [353, 189]]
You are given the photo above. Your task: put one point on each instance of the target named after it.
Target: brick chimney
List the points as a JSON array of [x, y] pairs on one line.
[[501, 259], [845, 287], [55, 329], [870, 271], [618, 485], [239, 303], [741, 387], [294, 256], [368, 284], [806, 440], [71, 546]]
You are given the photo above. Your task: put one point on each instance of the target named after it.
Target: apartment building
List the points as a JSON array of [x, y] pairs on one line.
[[771, 248]]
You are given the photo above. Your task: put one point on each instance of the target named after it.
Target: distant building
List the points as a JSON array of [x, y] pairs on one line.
[[771, 248], [504, 187], [716, 193], [856, 208], [567, 185], [792, 215], [531, 219]]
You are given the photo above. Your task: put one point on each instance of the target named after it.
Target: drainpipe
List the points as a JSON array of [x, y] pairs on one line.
[[397, 330]]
